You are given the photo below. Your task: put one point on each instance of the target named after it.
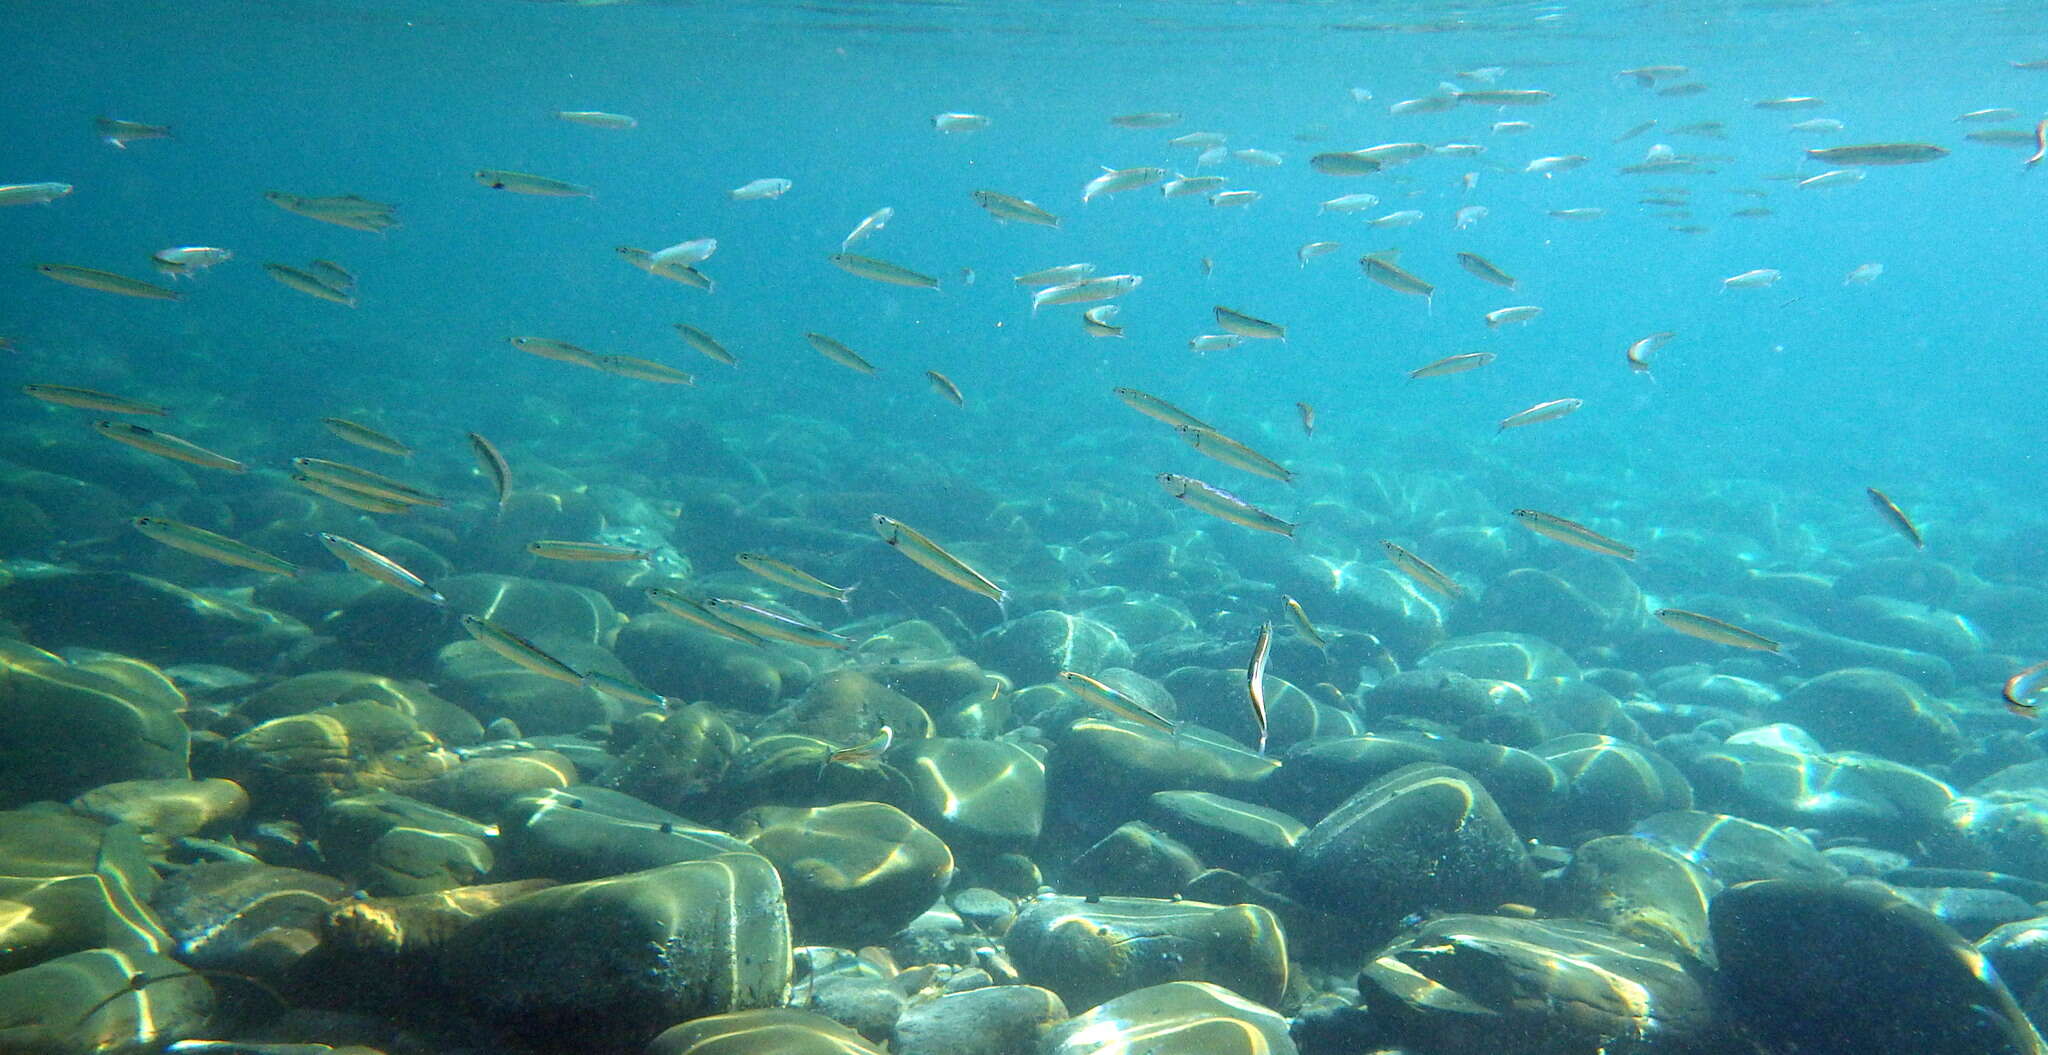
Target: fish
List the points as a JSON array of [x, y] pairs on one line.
[[1991, 115], [1116, 181], [1303, 625], [881, 271], [706, 344], [530, 184], [1879, 154], [219, 548], [1086, 291], [1679, 91], [1116, 702], [1311, 250], [342, 210], [1708, 628], [1863, 274], [643, 369], [1639, 352], [763, 623], [1146, 119], [1198, 140], [1578, 214], [1428, 104], [596, 119], [1222, 504], [1572, 533], [1249, 326], [2002, 136], [1485, 270], [333, 274], [1504, 316], [866, 753], [782, 573], [1233, 453], [119, 133], [1753, 211], [1233, 198], [952, 123], [364, 436], [1186, 186], [495, 468], [1895, 516], [2040, 143], [1636, 130], [2021, 688], [1505, 97], [1649, 75], [934, 558], [368, 503], [1213, 342], [1099, 321], [1549, 410], [703, 618], [106, 282], [1398, 218], [1008, 209], [549, 348], [1255, 679], [839, 353], [1255, 156], [1452, 364], [1384, 271], [586, 552], [1757, 279], [682, 274], [1468, 216], [518, 650], [309, 284], [33, 193], [90, 399], [1345, 163], [1422, 571], [763, 189], [684, 254], [1158, 409], [1817, 124], [945, 387], [1833, 178], [369, 562], [186, 260], [165, 445], [1512, 128], [364, 481], [1054, 276], [870, 224], [1349, 203], [1790, 102], [625, 691], [1308, 418]]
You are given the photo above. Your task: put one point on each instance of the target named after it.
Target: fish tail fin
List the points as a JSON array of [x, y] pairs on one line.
[[846, 596]]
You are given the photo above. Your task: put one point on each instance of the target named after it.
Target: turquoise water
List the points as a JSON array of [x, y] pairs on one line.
[[1737, 466]]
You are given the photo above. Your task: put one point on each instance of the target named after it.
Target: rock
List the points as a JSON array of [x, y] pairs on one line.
[[411, 861], [481, 787], [349, 828], [310, 692], [794, 770], [1177, 1018], [1733, 850], [71, 727], [491, 687], [1089, 951], [409, 928], [1227, 832], [1135, 860], [166, 809], [2006, 834], [1578, 604], [1367, 596], [1317, 777], [1820, 650], [863, 1000], [1642, 891], [306, 759], [68, 884], [1445, 697], [1610, 784], [687, 663], [1035, 647], [768, 1031], [996, 1020], [854, 872], [1102, 770], [1874, 711], [981, 796], [1425, 837], [1499, 656], [2018, 951], [677, 757], [1911, 625], [1523, 986], [75, 1004], [847, 707], [1774, 784], [1216, 700], [151, 619], [1850, 967], [586, 833], [987, 911], [604, 964], [248, 918], [1972, 912]]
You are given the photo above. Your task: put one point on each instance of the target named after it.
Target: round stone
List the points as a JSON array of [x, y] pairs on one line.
[[1092, 950]]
